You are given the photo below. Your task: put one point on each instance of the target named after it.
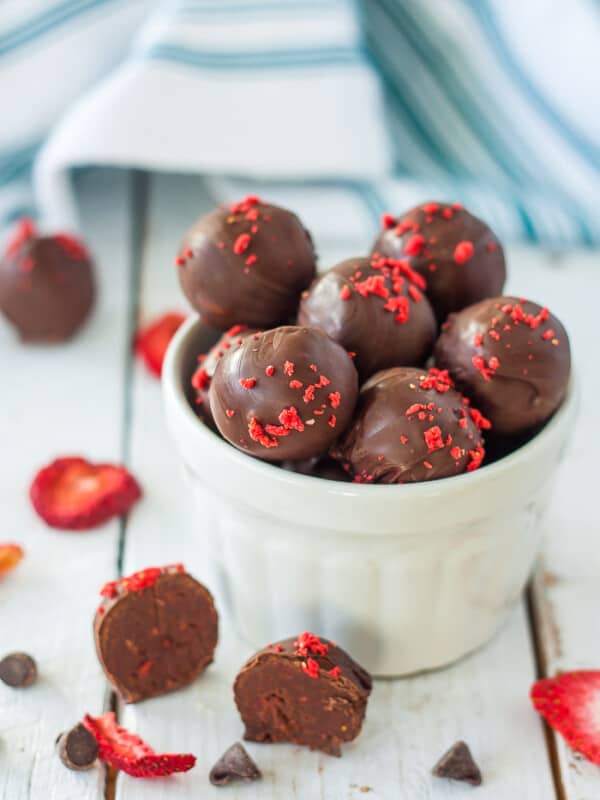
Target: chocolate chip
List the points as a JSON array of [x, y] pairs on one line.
[[458, 765], [18, 670], [77, 748], [234, 765]]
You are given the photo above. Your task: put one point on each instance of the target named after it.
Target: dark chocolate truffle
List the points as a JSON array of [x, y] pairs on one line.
[[511, 357], [457, 253], [231, 339], [375, 308], [46, 285], [410, 426], [246, 263], [306, 690], [155, 632], [287, 393], [318, 467]]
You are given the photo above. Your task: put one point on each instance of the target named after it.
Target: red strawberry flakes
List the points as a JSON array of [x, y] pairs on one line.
[[152, 341], [570, 704], [10, 555], [74, 494], [126, 752]]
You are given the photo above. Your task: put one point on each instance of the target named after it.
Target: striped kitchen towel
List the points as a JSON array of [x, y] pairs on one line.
[[337, 108]]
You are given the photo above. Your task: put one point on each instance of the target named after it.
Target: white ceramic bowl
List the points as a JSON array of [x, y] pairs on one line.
[[406, 578]]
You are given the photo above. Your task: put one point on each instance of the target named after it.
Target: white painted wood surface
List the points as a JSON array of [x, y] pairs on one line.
[[64, 400], [567, 586], [83, 399]]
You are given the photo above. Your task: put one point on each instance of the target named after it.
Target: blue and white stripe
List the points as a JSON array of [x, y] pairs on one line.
[[339, 108]]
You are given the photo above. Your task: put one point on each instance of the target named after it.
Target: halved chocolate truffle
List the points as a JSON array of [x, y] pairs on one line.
[[155, 631], [511, 357], [46, 285], [375, 308], [457, 253], [305, 690], [287, 393], [411, 425], [246, 263], [202, 377]]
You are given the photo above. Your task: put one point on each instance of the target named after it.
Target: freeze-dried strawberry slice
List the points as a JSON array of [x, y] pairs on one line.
[[10, 555], [127, 752], [75, 494], [151, 342], [570, 703]]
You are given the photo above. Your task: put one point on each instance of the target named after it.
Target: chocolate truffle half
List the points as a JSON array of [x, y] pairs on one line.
[[376, 309], [305, 690], [411, 426], [202, 377], [457, 253], [511, 357], [287, 393], [246, 263], [155, 631], [46, 285]]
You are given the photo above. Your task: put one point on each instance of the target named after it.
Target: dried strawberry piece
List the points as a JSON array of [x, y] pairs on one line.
[[126, 752], [570, 704], [151, 342], [10, 555], [74, 494]]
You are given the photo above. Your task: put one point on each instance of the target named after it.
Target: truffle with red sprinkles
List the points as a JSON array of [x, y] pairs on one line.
[[511, 357], [458, 254], [207, 364], [46, 284], [246, 263], [155, 631], [375, 308], [304, 690], [287, 393], [412, 425]]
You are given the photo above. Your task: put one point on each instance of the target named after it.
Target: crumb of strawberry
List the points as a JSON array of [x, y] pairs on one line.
[[570, 704], [10, 555], [75, 494], [127, 752], [152, 341]]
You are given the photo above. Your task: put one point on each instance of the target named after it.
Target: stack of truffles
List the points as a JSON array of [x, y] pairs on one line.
[[390, 368]]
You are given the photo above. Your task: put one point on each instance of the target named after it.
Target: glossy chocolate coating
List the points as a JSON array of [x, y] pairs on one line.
[[279, 701], [320, 467], [156, 639], [374, 308], [246, 263], [46, 285], [511, 357], [457, 253], [296, 412], [410, 426], [202, 377]]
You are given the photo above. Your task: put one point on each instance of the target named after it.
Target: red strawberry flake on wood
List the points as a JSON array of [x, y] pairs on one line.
[[74, 494], [570, 704], [152, 341], [10, 555], [128, 753]]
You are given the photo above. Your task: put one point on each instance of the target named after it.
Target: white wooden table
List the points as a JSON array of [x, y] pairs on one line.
[[90, 398]]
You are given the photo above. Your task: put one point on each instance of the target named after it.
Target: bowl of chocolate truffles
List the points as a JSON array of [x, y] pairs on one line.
[[372, 447]]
